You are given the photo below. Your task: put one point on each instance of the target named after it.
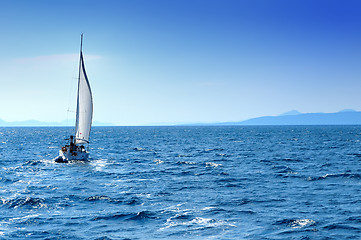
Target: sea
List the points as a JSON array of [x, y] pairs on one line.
[[183, 182]]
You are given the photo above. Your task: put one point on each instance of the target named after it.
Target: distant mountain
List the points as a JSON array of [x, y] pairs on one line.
[[36, 123], [294, 117], [348, 110], [344, 117], [293, 112]]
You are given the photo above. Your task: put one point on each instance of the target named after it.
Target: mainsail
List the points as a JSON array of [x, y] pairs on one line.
[[84, 109]]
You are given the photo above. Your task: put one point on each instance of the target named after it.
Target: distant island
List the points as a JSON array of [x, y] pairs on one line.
[[344, 117], [36, 123], [294, 117]]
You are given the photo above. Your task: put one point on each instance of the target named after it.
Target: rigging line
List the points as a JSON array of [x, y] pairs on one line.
[[73, 87], [71, 93]]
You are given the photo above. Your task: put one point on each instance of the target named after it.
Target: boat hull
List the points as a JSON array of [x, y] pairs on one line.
[[66, 156]]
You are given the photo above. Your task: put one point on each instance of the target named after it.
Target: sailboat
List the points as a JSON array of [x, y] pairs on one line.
[[75, 150]]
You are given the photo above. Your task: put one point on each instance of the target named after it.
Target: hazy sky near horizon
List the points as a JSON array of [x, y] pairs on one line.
[[180, 61]]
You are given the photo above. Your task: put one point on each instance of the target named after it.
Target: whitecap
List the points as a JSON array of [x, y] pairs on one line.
[[183, 155], [187, 163], [197, 222], [16, 219], [175, 208], [202, 221], [208, 208], [212, 164], [158, 161], [300, 223], [139, 149]]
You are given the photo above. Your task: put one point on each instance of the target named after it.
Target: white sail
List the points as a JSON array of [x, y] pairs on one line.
[[84, 110]]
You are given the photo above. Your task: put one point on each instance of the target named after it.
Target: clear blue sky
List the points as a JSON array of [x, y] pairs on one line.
[[180, 61]]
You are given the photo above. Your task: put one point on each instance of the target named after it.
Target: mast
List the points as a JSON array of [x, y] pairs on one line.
[[81, 42], [77, 98]]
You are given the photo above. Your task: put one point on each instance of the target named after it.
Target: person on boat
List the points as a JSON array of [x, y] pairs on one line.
[[72, 145]]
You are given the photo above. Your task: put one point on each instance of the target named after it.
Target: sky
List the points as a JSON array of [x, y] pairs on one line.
[[153, 62]]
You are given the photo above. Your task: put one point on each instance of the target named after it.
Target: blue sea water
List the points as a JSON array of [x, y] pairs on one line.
[[287, 182]]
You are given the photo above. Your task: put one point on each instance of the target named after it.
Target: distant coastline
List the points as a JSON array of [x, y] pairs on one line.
[[294, 117], [344, 117], [36, 123]]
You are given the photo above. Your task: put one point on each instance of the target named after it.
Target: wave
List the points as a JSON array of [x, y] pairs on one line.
[[284, 170], [296, 223], [335, 176], [186, 163], [139, 149], [354, 154], [291, 160], [356, 220], [300, 223], [184, 155], [25, 202], [230, 179], [106, 238], [31, 163], [131, 201], [223, 155], [158, 161], [248, 212], [212, 164], [142, 215], [240, 202], [6, 180], [26, 220], [214, 210], [97, 198], [212, 150], [244, 201], [111, 217], [337, 226], [195, 222]]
